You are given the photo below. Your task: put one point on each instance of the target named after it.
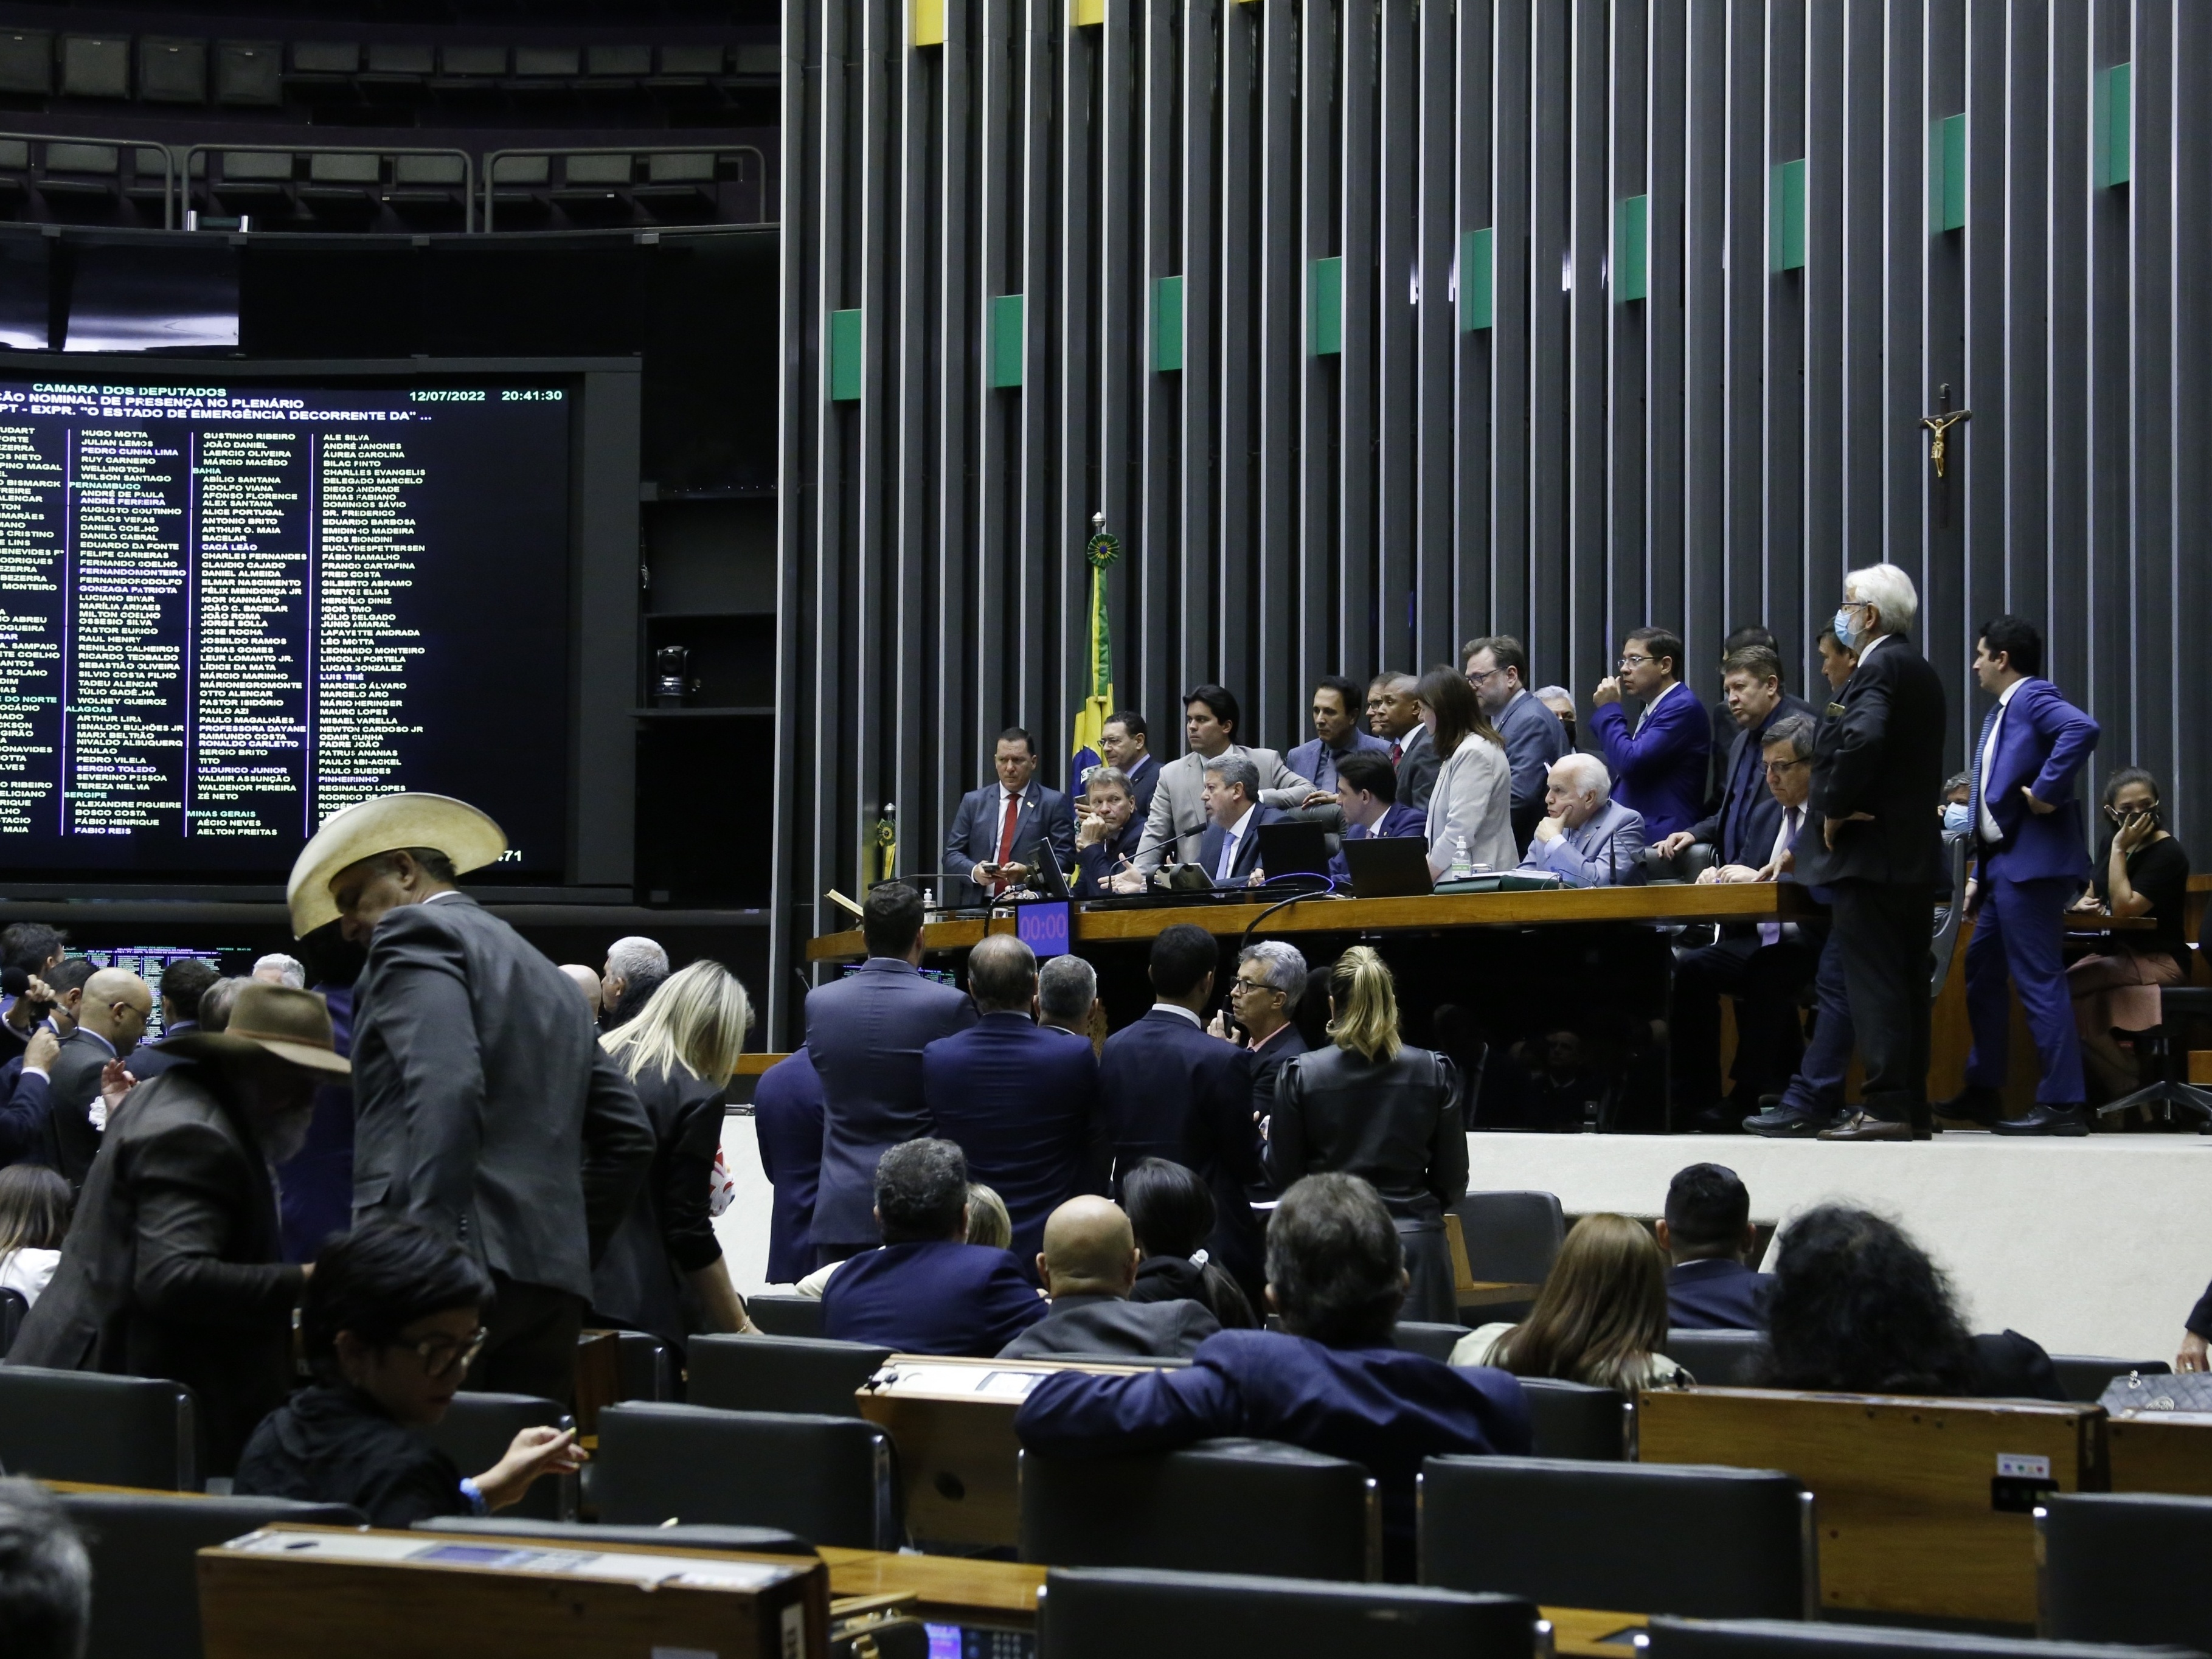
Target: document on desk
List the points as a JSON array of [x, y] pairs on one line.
[[978, 1381], [617, 1566]]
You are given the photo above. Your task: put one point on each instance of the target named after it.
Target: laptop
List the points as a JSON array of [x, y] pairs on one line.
[[1396, 866], [1293, 849]]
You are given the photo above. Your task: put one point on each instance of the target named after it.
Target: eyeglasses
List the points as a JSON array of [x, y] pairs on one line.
[[1773, 767], [1248, 986], [441, 1355], [1635, 662], [1476, 679]]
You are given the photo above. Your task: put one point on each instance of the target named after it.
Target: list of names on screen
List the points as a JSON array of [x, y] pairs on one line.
[[226, 612]]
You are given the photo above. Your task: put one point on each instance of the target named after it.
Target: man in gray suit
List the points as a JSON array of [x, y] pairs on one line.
[[110, 1019], [1179, 818], [1089, 1266], [1588, 839], [866, 1033], [484, 1108]]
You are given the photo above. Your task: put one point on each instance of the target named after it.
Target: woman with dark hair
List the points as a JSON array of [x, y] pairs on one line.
[[391, 1321], [2144, 872], [1172, 1212], [1370, 1106], [1471, 806], [1858, 1308], [1598, 1319], [34, 1218]]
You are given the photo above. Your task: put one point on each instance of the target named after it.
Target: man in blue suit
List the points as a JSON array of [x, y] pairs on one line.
[[788, 1121], [1588, 839], [1229, 851], [1111, 828], [1332, 1380], [2029, 845], [1169, 1091], [866, 1033], [1020, 1099], [1002, 832], [928, 1290], [1497, 668], [1336, 708], [1124, 744], [1708, 1236], [1367, 795], [1658, 766]]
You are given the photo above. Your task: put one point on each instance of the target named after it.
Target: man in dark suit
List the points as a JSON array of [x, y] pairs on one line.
[[184, 982], [484, 1108], [1270, 977], [173, 1265], [1877, 776], [1741, 829], [1331, 1381], [1003, 831], [110, 1019], [1229, 851], [2028, 841], [1725, 725], [1413, 753], [1125, 744], [28, 948], [1658, 765], [1496, 667], [1367, 795], [1170, 1091], [1336, 733], [1088, 1268], [1020, 1099], [928, 1290], [1708, 1236], [787, 1122], [866, 1033], [1108, 837]]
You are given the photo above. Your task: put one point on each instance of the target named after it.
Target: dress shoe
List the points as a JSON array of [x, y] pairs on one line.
[[1860, 1127], [1972, 1107], [2046, 1119], [1781, 1123]]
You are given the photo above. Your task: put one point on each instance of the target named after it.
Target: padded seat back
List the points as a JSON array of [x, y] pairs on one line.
[[2085, 1377], [477, 1430], [1721, 1359], [645, 1366], [781, 1374], [2116, 1567], [13, 1309], [145, 1575], [1512, 1238], [1437, 1341], [1573, 1419], [1228, 1505], [786, 1315], [1111, 1612], [1697, 1540], [754, 1541], [830, 1480], [1767, 1638], [104, 1431]]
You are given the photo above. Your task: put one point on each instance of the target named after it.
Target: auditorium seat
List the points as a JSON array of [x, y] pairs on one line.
[[1721, 1359], [830, 1479], [145, 1574], [1512, 1238], [1573, 1419], [1437, 1341], [2085, 1377], [1767, 1638], [2125, 1567], [105, 1430], [2179, 1007], [1225, 1505], [781, 1373], [12, 1311], [647, 1366], [1706, 1541], [1684, 866], [786, 1315], [477, 1430], [1111, 1612], [758, 1540]]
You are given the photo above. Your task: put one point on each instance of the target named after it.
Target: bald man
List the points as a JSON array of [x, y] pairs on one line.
[[1088, 1265], [586, 980], [110, 1019]]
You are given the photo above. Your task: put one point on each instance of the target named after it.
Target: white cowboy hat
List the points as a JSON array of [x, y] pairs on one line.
[[384, 823]]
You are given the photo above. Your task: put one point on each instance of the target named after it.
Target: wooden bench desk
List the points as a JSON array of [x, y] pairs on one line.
[[1924, 1506], [2162, 1452]]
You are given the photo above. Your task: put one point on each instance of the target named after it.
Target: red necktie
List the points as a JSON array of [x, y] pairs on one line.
[[1007, 837], [1397, 752]]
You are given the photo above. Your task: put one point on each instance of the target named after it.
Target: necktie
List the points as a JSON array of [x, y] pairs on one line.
[[1397, 752], [1769, 932], [1007, 837]]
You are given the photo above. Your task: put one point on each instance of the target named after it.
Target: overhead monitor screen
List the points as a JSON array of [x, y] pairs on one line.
[[227, 612]]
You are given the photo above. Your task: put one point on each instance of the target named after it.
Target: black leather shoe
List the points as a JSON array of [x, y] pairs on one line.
[[1971, 1107], [1860, 1127], [2044, 1119], [1778, 1124]]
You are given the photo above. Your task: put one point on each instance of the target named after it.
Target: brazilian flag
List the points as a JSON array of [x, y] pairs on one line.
[[1099, 682]]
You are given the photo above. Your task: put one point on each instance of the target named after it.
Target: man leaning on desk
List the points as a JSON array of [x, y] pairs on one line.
[[1179, 816], [1004, 831]]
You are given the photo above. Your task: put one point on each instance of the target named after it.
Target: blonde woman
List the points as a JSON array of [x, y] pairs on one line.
[[680, 1051], [1598, 1319], [1370, 1106]]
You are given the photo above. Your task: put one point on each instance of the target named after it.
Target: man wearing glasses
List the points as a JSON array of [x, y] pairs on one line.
[[1658, 764], [1497, 668]]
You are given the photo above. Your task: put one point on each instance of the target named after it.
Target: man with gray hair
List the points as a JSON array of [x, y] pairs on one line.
[[635, 969], [1270, 977], [46, 1576], [1068, 994], [1229, 851], [1019, 1098], [278, 968], [1877, 765], [1586, 838]]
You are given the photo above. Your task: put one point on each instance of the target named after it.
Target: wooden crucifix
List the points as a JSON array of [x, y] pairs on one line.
[[1939, 426]]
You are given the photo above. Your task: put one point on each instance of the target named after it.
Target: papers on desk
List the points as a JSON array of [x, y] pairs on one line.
[[616, 1566], [979, 1383]]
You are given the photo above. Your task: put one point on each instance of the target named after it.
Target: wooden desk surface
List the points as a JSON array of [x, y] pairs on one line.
[[1742, 902], [1583, 1630], [985, 1592]]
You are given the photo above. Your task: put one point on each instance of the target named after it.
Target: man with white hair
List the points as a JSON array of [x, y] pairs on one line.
[[1586, 839], [1877, 770], [635, 967], [278, 968], [1270, 977]]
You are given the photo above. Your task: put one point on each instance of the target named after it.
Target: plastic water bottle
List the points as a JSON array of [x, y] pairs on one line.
[[1461, 868]]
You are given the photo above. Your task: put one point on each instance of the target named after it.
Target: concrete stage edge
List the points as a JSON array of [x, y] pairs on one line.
[[2098, 1246]]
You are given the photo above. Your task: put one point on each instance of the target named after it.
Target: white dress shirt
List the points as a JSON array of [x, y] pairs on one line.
[[1673, 686], [1231, 838], [1985, 821]]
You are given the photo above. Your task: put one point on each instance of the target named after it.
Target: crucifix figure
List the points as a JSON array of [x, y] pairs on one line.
[[1939, 426]]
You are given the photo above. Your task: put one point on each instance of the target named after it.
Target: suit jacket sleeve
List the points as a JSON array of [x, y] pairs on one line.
[[422, 1009], [1078, 1413], [23, 1118], [1011, 1305], [1285, 1156], [1561, 856], [1230, 1111], [618, 1148], [1159, 828], [1448, 1143], [1286, 788], [686, 1226], [190, 1193], [1662, 746], [1060, 829], [1856, 761], [2199, 1321], [956, 839], [2071, 736]]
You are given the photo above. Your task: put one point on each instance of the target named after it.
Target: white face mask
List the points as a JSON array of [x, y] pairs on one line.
[[1958, 818], [1847, 635]]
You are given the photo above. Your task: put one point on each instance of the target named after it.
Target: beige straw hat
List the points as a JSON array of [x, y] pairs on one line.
[[385, 823]]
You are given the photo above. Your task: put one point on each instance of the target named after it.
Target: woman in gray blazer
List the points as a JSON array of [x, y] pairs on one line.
[[1471, 808], [1370, 1106]]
